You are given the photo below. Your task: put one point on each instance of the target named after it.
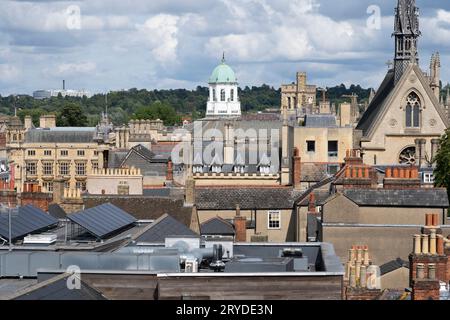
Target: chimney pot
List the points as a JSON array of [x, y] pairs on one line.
[[420, 272], [395, 173], [432, 271], [353, 277], [388, 172], [417, 244], [435, 219], [440, 245], [363, 277], [433, 242], [425, 244], [428, 220]]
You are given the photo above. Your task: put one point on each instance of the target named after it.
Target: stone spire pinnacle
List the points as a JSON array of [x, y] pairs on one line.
[[406, 33]]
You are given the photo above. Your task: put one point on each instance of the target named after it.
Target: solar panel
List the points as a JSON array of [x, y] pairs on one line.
[[28, 220], [102, 220]]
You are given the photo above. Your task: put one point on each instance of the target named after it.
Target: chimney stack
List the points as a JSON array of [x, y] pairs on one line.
[[297, 169], [240, 226], [169, 174], [312, 203], [64, 84]]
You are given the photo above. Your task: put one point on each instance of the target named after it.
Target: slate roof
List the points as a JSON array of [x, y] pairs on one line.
[[320, 121], [56, 211], [165, 226], [432, 198], [247, 198], [375, 107], [393, 265], [314, 172], [56, 289], [143, 207], [84, 135], [217, 226], [116, 158]]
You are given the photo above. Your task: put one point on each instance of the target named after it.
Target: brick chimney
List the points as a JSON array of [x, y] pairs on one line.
[[353, 157], [312, 203], [240, 226], [401, 178], [32, 195], [169, 173], [429, 261], [358, 176], [297, 169]]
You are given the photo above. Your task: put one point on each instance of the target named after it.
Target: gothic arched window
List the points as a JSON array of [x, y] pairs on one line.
[[214, 95], [412, 111], [222, 95]]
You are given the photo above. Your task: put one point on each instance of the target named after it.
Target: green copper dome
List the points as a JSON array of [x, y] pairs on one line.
[[223, 74]]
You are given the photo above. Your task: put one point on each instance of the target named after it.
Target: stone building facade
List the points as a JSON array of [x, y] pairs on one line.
[[298, 96], [405, 119]]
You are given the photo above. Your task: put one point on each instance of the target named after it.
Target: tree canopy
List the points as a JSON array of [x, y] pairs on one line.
[[158, 110], [135, 103], [71, 115], [442, 172]]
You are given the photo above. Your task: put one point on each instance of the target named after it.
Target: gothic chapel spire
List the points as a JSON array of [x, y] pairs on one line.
[[406, 33]]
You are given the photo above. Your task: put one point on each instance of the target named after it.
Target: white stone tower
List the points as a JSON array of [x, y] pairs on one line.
[[223, 93]]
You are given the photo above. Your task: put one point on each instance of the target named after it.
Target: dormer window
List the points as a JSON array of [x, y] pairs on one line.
[[412, 111]]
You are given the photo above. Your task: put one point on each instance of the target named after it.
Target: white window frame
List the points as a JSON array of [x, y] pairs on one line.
[[270, 214], [428, 177]]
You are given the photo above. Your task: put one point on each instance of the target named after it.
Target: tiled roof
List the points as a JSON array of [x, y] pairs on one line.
[[164, 227], [246, 198], [393, 265], [314, 172], [433, 198], [217, 226]]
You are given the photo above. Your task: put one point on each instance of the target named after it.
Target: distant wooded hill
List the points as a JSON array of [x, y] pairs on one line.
[[168, 105]]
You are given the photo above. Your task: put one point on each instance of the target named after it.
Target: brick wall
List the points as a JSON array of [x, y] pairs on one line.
[[425, 290]]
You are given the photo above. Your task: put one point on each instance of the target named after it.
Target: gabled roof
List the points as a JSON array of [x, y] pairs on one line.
[[164, 227], [56, 289], [217, 226], [376, 105], [56, 211], [145, 154], [27, 220], [387, 91], [393, 265], [418, 198], [103, 220]]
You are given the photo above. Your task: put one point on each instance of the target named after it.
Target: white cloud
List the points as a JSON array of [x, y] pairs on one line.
[[8, 73], [70, 69], [160, 34]]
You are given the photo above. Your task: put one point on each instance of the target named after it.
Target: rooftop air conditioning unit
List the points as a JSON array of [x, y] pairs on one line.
[[45, 239], [191, 266]]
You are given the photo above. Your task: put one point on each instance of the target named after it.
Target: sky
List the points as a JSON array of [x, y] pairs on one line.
[[103, 45]]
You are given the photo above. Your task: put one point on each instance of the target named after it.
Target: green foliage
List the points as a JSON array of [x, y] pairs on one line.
[[71, 115], [158, 110], [168, 105], [442, 172]]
